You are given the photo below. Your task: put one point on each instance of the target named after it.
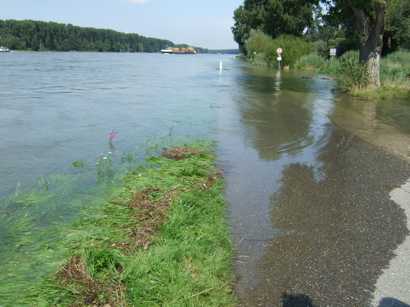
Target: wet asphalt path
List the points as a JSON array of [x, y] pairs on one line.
[[338, 233]]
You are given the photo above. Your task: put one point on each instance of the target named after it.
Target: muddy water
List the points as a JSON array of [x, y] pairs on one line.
[[309, 174]]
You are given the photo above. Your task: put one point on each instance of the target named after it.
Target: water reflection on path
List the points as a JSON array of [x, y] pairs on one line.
[[310, 213]]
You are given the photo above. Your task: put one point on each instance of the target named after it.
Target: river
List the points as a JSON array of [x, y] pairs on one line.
[[308, 170]]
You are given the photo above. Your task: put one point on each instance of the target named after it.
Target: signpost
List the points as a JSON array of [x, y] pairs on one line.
[[279, 52], [333, 52]]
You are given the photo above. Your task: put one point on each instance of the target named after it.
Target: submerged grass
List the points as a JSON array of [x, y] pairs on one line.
[[161, 240]]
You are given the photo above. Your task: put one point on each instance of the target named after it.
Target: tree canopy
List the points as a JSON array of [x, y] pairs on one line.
[[372, 26], [273, 17], [38, 35], [397, 25]]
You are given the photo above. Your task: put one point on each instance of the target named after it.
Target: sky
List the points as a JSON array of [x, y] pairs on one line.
[[205, 23]]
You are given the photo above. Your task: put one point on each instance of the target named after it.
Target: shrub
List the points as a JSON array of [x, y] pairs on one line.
[[332, 67], [352, 73], [261, 44], [395, 68], [311, 61], [257, 43], [321, 48]]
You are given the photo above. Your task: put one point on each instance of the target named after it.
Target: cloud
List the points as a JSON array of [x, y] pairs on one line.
[[137, 1]]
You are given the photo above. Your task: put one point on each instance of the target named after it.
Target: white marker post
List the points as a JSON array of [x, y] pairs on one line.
[[279, 52], [333, 52]]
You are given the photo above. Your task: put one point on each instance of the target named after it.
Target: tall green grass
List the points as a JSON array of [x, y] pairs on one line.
[[352, 75], [187, 264], [395, 69]]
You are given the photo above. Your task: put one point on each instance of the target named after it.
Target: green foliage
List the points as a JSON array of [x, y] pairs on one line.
[[395, 73], [104, 168], [32, 231], [397, 24], [293, 48], [273, 17], [188, 263], [352, 73], [78, 164], [101, 261], [311, 61], [317, 63], [38, 36], [395, 69]]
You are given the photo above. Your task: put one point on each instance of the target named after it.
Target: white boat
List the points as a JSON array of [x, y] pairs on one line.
[[4, 49], [167, 51]]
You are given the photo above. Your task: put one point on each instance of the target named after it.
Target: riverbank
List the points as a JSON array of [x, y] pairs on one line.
[[352, 78], [161, 240]]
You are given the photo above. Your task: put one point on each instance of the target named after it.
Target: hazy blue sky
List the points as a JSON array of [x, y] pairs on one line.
[[200, 23]]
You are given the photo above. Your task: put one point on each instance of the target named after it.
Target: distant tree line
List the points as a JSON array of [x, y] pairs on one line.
[[43, 36]]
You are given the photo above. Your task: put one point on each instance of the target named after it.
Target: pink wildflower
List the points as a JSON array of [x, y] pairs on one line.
[[112, 136]]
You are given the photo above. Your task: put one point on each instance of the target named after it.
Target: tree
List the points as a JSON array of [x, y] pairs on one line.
[[38, 35], [397, 25], [368, 18], [273, 17]]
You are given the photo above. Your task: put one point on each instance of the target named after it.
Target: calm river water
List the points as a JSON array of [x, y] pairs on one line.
[[308, 171]]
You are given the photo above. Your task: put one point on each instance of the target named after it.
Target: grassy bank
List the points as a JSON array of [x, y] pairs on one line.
[[161, 240], [351, 75]]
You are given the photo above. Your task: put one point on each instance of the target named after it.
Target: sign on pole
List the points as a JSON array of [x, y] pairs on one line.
[[279, 52], [333, 52]]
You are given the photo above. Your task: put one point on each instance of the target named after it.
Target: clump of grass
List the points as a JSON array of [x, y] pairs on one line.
[[395, 70], [353, 75], [161, 240]]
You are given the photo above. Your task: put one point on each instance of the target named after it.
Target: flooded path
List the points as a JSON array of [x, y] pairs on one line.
[[309, 175]]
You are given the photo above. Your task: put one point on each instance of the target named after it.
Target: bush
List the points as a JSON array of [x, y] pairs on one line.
[[395, 68], [257, 43], [311, 61], [261, 44], [332, 67], [352, 73], [321, 48], [314, 61]]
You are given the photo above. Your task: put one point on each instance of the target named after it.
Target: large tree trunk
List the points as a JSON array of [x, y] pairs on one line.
[[372, 30]]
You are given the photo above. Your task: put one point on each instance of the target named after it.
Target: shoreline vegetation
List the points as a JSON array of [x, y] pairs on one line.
[[365, 47], [32, 35], [300, 56], [52, 36], [160, 240], [351, 75]]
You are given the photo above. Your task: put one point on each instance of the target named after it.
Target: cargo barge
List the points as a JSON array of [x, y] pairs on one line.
[[175, 50]]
